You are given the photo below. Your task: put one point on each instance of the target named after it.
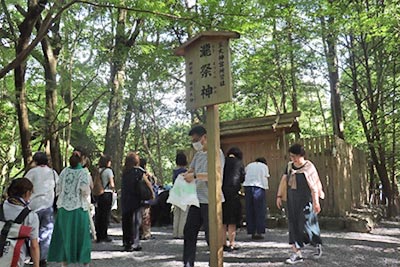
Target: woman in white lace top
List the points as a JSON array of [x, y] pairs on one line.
[[71, 241]]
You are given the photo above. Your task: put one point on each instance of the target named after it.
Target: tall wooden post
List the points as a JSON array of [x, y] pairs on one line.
[[214, 187], [208, 83]]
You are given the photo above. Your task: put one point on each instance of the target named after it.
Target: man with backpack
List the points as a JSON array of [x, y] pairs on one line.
[[22, 224]]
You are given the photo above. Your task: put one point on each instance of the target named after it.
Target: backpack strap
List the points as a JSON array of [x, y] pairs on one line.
[[2, 218], [7, 226], [22, 215], [3, 236], [289, 169]]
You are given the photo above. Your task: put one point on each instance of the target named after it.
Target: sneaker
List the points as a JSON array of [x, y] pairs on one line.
[[127, 249], [318, 252], [138, 248], [227, 248], [294, 259]]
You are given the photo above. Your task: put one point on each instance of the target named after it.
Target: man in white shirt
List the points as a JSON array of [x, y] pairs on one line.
[[44, 180], [255, 184]]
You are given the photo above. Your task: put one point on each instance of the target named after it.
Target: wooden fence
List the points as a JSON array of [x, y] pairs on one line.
[[342, 168], [343, 173]]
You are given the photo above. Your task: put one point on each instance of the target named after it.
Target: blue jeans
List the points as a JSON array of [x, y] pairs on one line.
[[46, 225], [256, 205]]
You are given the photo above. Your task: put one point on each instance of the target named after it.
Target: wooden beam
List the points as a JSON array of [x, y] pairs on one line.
[[181, 51], [214, 187]]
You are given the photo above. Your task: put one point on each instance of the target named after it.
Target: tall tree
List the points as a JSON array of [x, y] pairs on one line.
[[329, 33], [369, 55], [51, 49], [124, 40], [32, 15]]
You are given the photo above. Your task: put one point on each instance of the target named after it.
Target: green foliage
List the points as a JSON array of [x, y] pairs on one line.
[[278, 65]]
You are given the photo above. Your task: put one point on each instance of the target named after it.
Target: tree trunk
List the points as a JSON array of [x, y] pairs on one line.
[[293, 70], [113, 134], [322, 111], [120, 54], [70, 113], [128, 117], [372, 133], [329, 39], [126, 126], [280, 74], [158, 163], [22, 112], [26, 28], [396, 199], [375, 142], [50, 72]]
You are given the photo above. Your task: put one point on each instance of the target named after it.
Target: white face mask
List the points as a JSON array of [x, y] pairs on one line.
[[197, 146]]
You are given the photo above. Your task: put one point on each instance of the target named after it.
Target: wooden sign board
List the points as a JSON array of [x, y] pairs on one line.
[[208, 76], [208, 83]]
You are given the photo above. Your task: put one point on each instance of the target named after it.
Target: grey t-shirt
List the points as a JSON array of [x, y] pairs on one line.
[[11, 212], [106, 175], [199, 165]]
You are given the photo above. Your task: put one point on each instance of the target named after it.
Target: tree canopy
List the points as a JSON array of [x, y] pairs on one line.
[[102, 75]]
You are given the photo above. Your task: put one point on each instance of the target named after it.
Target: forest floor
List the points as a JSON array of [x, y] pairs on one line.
[[381, 247]]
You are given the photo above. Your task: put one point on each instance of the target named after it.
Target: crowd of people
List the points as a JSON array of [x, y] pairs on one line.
[[63, 226]]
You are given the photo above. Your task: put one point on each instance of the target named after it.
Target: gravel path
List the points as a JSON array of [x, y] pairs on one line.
[[379, 248]]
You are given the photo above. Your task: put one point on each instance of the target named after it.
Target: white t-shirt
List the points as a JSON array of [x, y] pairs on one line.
[[44, 181], [11, 212], [257, 174]]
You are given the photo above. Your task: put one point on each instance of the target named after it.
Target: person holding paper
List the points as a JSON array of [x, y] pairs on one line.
[[180, 215], [197, 216]]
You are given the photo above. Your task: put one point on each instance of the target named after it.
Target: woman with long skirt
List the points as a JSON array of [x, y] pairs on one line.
[[70, 242]]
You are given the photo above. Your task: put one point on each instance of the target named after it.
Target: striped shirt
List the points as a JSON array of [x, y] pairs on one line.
[[199, 165]]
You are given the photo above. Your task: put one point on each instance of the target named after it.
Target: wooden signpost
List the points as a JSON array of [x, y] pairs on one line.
[[208, 83]]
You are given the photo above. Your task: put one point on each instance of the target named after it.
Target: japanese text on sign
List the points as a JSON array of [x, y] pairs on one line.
[[207, 73]]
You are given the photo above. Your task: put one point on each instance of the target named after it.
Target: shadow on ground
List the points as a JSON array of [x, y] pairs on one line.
[[379, 248]]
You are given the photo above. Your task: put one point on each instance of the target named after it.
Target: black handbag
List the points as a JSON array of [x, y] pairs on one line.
[[144, 191]]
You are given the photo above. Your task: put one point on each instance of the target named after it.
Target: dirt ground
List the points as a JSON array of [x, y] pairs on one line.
[[379, 248]]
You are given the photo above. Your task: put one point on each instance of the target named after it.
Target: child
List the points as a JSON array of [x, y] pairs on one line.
[[19, 193]]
